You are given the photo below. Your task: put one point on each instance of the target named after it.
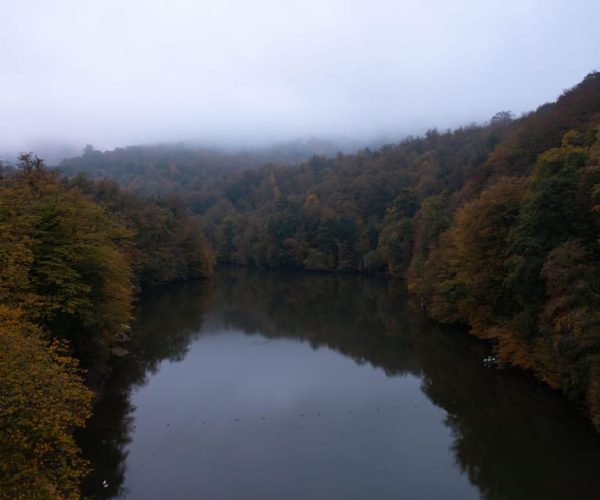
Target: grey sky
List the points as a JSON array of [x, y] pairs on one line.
[[115, 72]]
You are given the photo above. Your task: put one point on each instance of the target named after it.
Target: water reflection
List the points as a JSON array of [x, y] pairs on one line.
[[166, 323], [512, 437]]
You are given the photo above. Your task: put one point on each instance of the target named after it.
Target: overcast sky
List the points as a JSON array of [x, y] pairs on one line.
[[116, 72]]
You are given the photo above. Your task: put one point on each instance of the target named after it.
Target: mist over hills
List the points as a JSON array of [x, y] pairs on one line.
[[285, 152], [494, 226], [144, 143]]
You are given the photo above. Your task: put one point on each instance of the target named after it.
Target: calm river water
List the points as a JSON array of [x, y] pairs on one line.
[[261, 385]]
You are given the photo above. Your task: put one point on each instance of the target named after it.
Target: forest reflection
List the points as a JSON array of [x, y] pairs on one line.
[[514, 438]]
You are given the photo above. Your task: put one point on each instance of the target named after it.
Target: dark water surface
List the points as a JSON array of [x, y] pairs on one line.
[[259, 385]]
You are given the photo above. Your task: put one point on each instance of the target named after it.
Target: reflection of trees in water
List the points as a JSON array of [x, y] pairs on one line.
[[366, 319], [105, 440], [166, 323], [514, 438]]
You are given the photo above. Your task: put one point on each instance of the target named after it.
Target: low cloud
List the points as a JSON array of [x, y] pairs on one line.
[[234, 72]]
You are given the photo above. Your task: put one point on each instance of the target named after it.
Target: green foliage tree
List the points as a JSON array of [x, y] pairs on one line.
[[61, 260]]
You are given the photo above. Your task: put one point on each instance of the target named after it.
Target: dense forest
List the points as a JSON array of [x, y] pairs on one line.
[[73, 254], [159, 170], [494, 226]]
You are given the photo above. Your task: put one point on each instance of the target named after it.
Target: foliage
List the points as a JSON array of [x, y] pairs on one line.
[[61, 260], [494, 226], [70, 253], [43, 399], [166, 243]]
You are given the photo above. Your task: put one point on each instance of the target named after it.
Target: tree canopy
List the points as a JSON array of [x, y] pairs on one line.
[[72, 256], [480, 222]]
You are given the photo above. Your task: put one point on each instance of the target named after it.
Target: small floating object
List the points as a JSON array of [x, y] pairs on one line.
[[489, 361], [104, 483]]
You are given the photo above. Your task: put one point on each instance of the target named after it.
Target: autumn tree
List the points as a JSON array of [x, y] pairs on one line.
[[43, 400]]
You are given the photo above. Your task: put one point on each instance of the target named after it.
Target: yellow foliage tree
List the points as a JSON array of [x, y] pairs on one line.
[[43, 399], [61, 259]]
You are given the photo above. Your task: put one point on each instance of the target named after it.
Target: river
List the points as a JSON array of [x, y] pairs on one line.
[[266, 385]]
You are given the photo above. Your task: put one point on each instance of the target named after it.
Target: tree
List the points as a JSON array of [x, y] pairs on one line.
[[43, 399], [502, 117], [61, 260]]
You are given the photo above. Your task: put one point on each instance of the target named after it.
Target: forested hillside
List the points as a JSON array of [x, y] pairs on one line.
[[159, 170], [72, 256], [494, 226]]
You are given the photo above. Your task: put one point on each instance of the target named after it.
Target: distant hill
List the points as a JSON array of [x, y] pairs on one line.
[[168, 168]]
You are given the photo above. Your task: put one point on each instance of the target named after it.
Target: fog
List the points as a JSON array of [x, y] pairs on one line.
[[234, 72]]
